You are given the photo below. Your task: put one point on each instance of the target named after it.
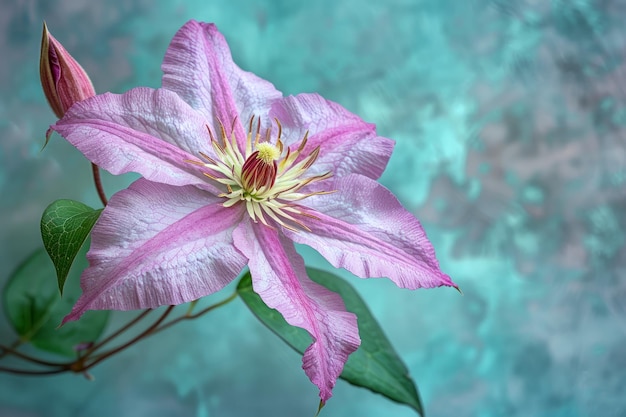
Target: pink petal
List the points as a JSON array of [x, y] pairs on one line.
[[364, 229], [347, 144], [198, 66], [279, 277], [148, 131], [158, 244]]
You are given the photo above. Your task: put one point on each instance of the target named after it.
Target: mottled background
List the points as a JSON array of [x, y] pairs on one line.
[[510, 121]]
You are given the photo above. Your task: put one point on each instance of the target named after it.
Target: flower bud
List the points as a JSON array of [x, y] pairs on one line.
[[63, 80]]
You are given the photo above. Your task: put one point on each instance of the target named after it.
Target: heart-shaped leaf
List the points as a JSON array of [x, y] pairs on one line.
[[65, 225], [375, 365], [34, 307]]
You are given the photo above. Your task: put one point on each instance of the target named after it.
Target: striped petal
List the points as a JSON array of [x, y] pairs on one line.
[[363, 228], [157, 244], [347, 144], [279, 277], [198, 66], [151, 132]]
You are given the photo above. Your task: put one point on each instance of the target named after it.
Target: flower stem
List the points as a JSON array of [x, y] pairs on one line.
[[143, 334], [118, 332], [4, 350], [29, 372], [13, 351], [82, 364], [198, 314], [96, 179]]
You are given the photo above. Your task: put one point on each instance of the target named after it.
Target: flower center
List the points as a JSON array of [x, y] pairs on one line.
[[259, 170], [266, 177]]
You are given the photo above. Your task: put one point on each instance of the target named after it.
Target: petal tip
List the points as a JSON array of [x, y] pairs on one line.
[[70, 317]]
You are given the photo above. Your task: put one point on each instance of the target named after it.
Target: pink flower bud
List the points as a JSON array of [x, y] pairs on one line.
[[63, 80]]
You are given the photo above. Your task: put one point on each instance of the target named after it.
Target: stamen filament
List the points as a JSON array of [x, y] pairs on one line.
[[208, 158]]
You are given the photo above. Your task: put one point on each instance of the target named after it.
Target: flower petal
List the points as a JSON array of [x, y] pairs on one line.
[[347, 144], [198, 66], [279, 277], [364, 229], [158, 244], [148, 131]]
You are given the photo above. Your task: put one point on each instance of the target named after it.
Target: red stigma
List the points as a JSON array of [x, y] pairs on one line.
[[256, 173]]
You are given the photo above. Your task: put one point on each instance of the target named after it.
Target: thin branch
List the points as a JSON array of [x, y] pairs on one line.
[[79, 366], [198, 314], [29, 358], [143, 334], [32, 373], [6, 350], [117, 333]]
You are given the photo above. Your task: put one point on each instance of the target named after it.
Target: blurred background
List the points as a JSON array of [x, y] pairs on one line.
[[510, 123]]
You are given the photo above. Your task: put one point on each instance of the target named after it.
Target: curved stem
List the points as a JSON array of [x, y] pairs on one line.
[[198, 314], [29, 372], [79, 365], [96, 179], [29, 358], [143, 334], [9, 349], [118, 332]]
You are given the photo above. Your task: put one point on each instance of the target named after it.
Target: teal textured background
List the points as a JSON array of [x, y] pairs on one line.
[[510, 121]]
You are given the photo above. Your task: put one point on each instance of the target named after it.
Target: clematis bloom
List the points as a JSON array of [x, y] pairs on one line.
[[233, 174]]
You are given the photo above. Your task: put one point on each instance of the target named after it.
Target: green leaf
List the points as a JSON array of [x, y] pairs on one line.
[[65, 225], [34, 307], [375, 365]]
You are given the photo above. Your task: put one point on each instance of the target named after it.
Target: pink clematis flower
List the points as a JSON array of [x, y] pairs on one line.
[[233, 175]]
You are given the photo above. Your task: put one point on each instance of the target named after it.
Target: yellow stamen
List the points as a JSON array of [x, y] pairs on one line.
[[267, 152], [260, 176]]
